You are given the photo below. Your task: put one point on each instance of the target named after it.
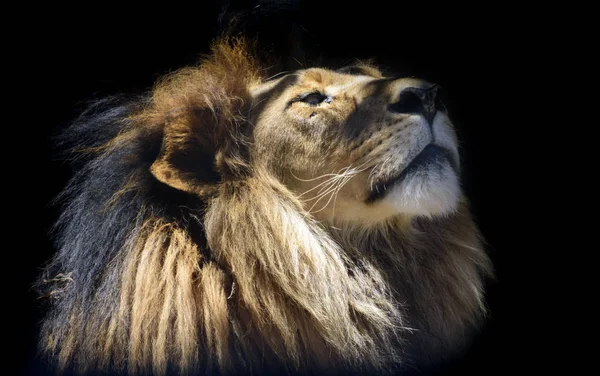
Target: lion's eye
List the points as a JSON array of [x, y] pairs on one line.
[[315, 98]]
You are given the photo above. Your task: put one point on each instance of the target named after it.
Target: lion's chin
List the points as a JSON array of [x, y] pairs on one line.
[[428, 191]]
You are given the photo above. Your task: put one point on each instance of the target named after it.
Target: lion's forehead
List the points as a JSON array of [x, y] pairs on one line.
[[337, 88], [325, 80]]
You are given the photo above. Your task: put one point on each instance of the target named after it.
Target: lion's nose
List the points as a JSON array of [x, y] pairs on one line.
[[423, 101]]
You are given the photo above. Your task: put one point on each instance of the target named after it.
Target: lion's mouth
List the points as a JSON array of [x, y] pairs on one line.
[[431, 155]]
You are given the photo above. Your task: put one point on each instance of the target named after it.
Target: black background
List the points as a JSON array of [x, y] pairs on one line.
[[74, 55]]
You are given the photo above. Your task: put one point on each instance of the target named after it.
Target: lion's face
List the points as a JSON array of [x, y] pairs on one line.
[[356, 146]]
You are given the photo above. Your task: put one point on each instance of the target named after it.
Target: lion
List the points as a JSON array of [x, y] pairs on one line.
[[230, 223]]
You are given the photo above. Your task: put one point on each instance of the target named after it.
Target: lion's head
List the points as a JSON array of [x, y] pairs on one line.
[[310, 221], [357, 146]]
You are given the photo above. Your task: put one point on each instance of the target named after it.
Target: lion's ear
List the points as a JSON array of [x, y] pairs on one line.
[[187, 160], [202, 110]]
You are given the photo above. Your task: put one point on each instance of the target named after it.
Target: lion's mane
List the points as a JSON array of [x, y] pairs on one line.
[[239, 277]]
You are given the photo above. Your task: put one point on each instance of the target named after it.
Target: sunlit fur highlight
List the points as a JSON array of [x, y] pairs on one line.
[[237, 277], [301, 290]]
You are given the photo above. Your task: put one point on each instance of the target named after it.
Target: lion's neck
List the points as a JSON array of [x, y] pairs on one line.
[[436, 269], [342, 287]]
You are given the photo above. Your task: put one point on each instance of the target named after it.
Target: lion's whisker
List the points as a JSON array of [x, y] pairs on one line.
[[336, 195], [341, 180], [275, 75], [331, 195], [327, 182], [313, 179], [320, 197]]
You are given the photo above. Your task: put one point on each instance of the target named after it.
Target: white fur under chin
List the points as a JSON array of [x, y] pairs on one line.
[[428, 191]]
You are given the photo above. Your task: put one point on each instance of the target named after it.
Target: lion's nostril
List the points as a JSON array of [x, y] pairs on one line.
[[415, 100], [409, 102]]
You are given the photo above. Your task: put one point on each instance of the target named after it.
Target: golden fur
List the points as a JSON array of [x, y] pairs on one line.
[[280, 264]]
